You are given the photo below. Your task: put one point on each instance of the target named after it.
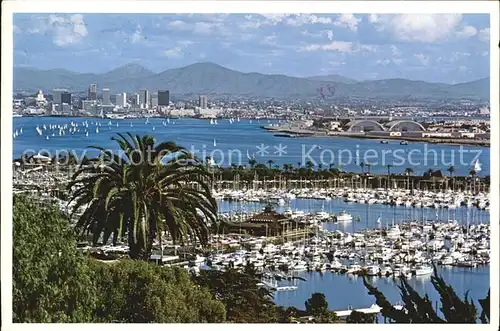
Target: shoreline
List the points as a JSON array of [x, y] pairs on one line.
[[297, 133]]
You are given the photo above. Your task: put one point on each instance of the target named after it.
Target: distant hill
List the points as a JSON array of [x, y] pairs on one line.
[[213, 79], [334, 79]]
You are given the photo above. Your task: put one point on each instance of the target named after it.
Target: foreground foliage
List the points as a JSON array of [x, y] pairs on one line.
[[54, 283], [418, 309], [133, 193]]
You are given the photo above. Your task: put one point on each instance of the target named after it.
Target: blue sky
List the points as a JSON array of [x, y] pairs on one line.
[[448, 48]]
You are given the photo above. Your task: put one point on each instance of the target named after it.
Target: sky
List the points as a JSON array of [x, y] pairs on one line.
[[450, 48]]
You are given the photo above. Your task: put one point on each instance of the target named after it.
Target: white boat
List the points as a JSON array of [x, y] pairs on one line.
[[343, 216], [423, 270], [477, 166], [372, 270], [215, 143]]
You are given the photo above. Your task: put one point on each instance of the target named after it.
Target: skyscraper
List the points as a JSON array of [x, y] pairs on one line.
[[66, 98], [154, 99], [144, 96], [121, 99], [92, 92], [203, 102], [106, 96], [163, 98], [135, 100], [56, 95]]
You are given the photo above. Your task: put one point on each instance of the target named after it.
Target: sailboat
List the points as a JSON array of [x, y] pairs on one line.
[[86, 134], [477, 166], [47, 138], [215, 143], [117, 124], [168, 120], [153, 128], [96, 130], [212, 121], [131, 124], [215, 121]]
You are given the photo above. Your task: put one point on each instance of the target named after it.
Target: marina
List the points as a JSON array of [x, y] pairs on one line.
[[333, 233]]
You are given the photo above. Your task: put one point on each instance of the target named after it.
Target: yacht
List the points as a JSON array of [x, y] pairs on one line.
[[372, 270], [343, 216], [403, 142], [384, 142], [423, 270]]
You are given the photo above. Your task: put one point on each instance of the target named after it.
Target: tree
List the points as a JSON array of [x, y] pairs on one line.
[[140, 292], [317, 306], [357, 317], [270, 163], [252, 163], [362, 165], [369, 166], [52, 281], [419, 309], [245, 300], [409, 173], [389, 166], [451, 170], [140, 196]]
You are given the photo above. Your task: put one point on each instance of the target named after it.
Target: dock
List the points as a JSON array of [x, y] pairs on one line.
[[372, 310]]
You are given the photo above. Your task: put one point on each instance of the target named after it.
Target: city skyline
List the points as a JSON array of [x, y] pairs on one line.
[[449, 48]]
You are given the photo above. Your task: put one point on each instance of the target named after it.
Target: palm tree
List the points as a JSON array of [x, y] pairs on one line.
[[369, 166], [252, 163], [389, 166], [270, 162], [451, 170], [408, 172], [362, 165], [140, 197], [473, 174]]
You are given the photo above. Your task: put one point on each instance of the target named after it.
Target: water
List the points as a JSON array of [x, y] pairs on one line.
[[340, 290], [345, 290], [236, 141], [367, 213]]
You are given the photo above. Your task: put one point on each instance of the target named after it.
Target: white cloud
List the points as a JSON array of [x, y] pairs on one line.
[[301, 19], [373, 18], [397, 61], [467, 32], [16, 29], [485, 53], [383, 62], [395, 51], [462, 68], [64, 30], [340, 46], [347, 21], [424, 59], [137, 35], [484, 34], [329, 34], [419, 27], [269, 40], [177, 24], [173, 52]]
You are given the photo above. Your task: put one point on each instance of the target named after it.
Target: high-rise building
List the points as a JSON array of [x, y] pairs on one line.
[[203, 102], [56, 96], [106, 96], [135, 99], [144, 96], [154, 99], [163, 98], [121, 99], [65, 98], [92, 92]]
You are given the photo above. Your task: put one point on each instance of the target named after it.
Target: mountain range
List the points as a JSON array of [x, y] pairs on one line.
[[213, 79]]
